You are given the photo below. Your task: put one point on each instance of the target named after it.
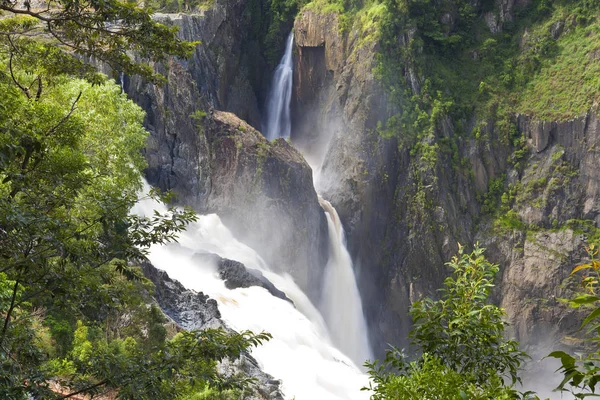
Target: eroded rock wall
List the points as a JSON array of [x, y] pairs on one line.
[[216, 161]]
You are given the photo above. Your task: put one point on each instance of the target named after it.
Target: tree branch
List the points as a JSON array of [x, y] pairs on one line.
[[9, 312], [101, 383], [12, 75], [65, 118]]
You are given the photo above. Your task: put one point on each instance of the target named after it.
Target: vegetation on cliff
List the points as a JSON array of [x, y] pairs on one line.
[[76, 313]]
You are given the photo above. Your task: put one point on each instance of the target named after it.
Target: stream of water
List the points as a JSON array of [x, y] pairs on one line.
[[301, 353], [279, 122]]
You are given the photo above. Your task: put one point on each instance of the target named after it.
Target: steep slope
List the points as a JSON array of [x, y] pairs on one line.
[[408, 198]]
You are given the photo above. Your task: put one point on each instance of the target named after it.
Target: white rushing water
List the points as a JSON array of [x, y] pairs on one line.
[[341, 302], [278, 105], [300, 353]]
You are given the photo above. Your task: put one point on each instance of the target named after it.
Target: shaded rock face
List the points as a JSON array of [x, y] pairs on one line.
[[191, 310], [226, 72], [216, 162], [227, 67]]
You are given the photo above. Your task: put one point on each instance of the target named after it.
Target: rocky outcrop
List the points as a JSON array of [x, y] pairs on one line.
[[236, 275], [263, 191], [191, 310]]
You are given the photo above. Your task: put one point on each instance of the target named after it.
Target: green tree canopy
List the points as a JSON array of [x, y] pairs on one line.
[[76, 314]]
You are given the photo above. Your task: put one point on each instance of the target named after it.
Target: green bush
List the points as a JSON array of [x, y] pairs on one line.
[[464, 353]]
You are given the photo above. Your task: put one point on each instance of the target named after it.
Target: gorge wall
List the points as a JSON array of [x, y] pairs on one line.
[[405, 218], [404, 215]]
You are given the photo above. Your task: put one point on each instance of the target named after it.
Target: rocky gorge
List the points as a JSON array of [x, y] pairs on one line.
[[404, 217]]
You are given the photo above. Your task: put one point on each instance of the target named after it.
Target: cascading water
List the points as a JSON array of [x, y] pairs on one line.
[[278, 106], [341, 302], [300, 353], [341, 305]]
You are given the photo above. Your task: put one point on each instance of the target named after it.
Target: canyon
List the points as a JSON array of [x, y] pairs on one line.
[[206, 147]]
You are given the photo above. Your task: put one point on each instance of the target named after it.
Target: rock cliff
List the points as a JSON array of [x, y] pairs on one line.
[[405, 217], [218, 163]]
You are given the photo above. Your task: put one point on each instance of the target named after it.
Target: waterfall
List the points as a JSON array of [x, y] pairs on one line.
[[278, 106], [341, 302], [341, 305], [122, 81], [300, 354]]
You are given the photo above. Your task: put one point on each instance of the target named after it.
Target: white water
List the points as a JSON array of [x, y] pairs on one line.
[[300, 353], [278, 107], [341, 303]]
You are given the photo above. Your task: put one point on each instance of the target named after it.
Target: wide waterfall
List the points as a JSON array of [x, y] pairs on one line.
[[279, 122], [301, 353], [341, 302]]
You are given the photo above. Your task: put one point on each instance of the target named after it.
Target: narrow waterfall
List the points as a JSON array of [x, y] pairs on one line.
[[341, 305], [278, 106], [341, 302], [300, 354]]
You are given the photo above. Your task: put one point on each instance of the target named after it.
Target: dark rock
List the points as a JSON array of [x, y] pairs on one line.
[[189, 309], [192, 311], [237, 275]]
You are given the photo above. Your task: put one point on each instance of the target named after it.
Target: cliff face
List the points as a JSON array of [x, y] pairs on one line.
[[559, 200], [404, 217], [370, 179], [218, 163]]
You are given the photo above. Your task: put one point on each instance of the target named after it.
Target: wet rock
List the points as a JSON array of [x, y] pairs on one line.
[[237, 275]]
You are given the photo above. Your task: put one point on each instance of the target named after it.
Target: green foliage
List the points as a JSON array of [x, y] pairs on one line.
[[495, 190], [582, 373], [543, 64], [108, 31], [461, 337], [74, 307], [462, 329], [430, 379], [171, 6]]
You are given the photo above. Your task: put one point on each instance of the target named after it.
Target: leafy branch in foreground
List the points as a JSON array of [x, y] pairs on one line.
[[109, 31], [76, 313]]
